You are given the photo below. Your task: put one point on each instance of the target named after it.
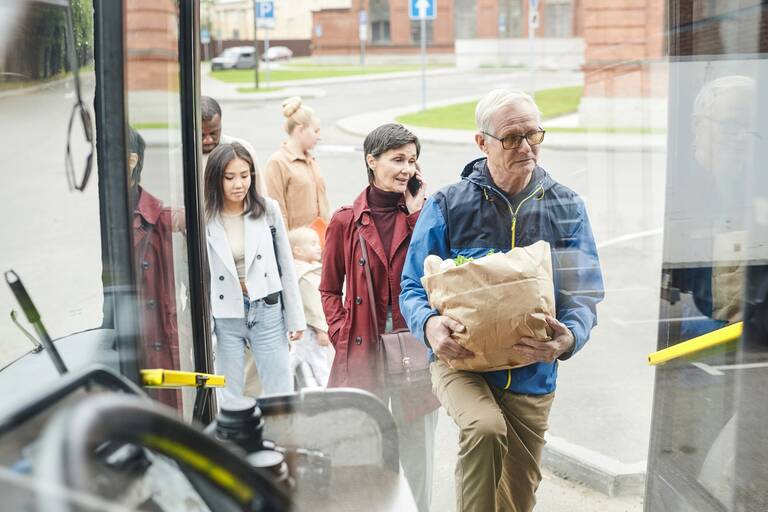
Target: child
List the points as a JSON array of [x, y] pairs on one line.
[[315, 347]]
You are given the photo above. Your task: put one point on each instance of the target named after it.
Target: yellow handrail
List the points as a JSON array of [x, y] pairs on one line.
[[705, 341], [159, 378]]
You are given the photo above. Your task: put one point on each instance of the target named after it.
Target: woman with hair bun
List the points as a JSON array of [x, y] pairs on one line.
[[292, 175]]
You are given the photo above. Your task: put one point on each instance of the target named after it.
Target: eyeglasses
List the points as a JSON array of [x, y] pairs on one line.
[[514, 141]]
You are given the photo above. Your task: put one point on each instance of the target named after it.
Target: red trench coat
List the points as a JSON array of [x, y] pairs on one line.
[[153, 253], [350, 329]]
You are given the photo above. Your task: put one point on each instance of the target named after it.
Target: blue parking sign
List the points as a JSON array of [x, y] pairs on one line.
[[265, 10], [425, 8]]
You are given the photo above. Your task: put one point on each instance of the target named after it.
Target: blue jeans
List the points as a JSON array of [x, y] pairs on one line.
[[263, 328]]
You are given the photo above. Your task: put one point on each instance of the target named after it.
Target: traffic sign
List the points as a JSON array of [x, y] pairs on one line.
[[534, 4], [205, 36], [422, 9], [265, 14]]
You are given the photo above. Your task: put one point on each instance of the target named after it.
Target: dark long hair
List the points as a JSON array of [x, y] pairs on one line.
[[218, 161]]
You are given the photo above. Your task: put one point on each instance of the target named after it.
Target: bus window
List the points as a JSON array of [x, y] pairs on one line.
[[51, 232], [157, 193]]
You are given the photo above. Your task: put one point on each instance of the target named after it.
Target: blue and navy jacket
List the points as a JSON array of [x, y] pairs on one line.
[[473, 216]]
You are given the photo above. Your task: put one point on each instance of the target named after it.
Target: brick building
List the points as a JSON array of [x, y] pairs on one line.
[[391, 31]]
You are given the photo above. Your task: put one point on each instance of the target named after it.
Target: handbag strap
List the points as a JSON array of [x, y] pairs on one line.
[[369, 279]]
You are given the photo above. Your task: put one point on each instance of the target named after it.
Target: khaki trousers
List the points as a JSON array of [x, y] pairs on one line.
[[501, 437]]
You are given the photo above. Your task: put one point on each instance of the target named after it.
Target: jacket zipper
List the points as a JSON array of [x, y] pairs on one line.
[[513, 212]]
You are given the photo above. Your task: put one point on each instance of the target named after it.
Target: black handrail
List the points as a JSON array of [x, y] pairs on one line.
[[115, 213], [189, 61]]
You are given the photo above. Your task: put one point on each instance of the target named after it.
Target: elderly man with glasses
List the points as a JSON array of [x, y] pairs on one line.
[[504, 200]]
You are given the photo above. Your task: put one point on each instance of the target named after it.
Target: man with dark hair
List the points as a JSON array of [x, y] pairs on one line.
[[212, 136]]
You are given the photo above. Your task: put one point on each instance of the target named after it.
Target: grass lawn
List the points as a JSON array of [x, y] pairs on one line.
[[552, 102], [305, 72], [607, 129]]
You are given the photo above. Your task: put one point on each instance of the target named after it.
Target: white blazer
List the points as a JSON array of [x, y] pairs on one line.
[[261, 273]]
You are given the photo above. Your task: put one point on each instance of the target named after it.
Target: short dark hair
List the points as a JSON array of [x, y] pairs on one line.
[[385, 137], [209, 107], [136, 145], [218, 161]]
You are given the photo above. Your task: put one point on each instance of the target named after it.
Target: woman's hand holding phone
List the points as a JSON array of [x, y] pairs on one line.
[[415, 193]]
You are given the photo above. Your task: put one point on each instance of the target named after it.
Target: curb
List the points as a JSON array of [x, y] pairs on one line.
[[362, 124], [246, 97], [593, 469]]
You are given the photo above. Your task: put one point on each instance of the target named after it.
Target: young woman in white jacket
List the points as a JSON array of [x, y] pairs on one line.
[[255, 296]]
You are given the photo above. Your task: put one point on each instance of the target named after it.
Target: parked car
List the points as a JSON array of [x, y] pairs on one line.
[[277, 53], [237, 57]]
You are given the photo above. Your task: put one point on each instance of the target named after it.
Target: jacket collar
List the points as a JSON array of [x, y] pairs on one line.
[[256, 234], [361, 212], [478, 173], [305, 267], [360, 207], [292, 157], [149, 207]]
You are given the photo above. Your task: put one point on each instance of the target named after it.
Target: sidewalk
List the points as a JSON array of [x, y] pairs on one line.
[[362, 124]]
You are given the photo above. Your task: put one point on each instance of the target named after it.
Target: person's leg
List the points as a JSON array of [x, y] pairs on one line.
[[252, 386], [469, 400], [527, 420], [269, 346], [229, 355], [416, 440]]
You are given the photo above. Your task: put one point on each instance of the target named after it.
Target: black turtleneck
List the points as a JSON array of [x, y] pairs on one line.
[[384, 209]]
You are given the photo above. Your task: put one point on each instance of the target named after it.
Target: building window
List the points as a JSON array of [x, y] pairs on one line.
[[380, 31], [465, 19], [511, 18], [416, 31], [379, 16], [559, 18]]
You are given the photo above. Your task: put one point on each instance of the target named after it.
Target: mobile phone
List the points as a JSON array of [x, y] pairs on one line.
[[414, 184]]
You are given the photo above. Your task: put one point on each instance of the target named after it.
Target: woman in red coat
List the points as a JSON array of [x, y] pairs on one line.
[[384, 214]]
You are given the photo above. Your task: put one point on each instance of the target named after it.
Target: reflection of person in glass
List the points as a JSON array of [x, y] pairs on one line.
[[152, 226], [722, 140], [715, 272]]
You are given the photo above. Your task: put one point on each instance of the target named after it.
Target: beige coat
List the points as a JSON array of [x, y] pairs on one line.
[[309, 286], [295, 182]]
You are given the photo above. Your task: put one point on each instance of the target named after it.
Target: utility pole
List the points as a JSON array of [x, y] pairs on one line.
[[256, 43]]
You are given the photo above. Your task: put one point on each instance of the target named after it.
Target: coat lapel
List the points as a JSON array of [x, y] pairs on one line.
[[401, 234], [372, 238], [217, 237], [256, 233]]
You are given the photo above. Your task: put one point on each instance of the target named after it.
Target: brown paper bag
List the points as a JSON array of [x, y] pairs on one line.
[[499, 298]]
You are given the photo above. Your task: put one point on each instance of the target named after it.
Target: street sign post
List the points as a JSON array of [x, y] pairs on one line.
[[264, 17], [423, 10], [533, 24], [362, 33]]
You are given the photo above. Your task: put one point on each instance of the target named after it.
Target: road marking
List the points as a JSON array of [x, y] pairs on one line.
[[630, 236], [709, 369], [337, 148]]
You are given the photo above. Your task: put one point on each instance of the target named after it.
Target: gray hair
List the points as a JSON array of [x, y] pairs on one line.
[[719, 87], [496, 99], [385, 137], [209, 108]]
